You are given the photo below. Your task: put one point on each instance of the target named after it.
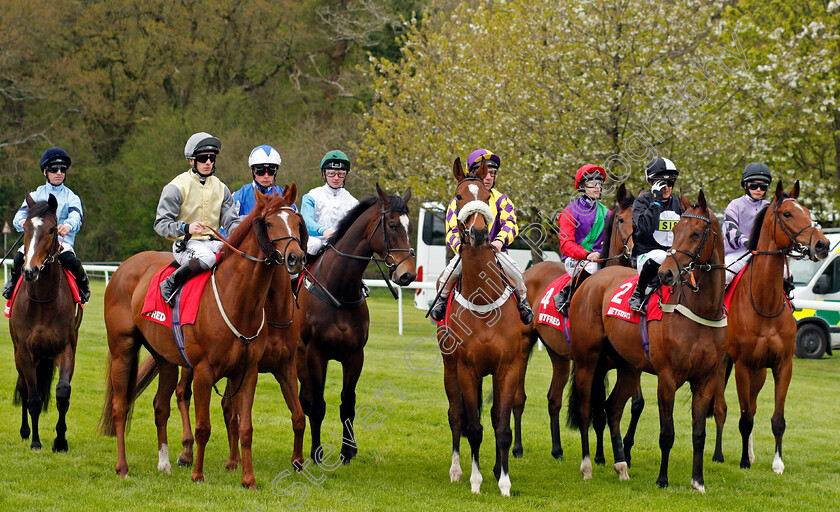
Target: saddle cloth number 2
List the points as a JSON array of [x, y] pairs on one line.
[[622, 290]]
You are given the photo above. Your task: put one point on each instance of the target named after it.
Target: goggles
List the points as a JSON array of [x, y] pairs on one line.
[[205, 157], [757, 186], [262, 170]]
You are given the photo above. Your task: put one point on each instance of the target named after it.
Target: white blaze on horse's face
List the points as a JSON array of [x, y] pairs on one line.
[[473, 190], [284, 216], [404, 222], [30, 252]]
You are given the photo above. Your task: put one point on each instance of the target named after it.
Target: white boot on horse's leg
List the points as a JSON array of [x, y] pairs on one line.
[[476, 479], [504, 484], [778, 465], [455, 469], [621, 469], [699, 487], [163, 459], [750, 452], [586, 468]]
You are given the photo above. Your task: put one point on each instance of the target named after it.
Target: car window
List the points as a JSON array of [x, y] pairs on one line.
[[803, 270]]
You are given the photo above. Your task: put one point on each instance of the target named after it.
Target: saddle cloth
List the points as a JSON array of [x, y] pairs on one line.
[[619, 306], [157, 310], [71, 280], [547, 313]]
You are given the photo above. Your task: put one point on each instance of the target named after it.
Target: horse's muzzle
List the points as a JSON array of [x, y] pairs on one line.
[[294, 262], [819, 251], [405, 279], [30, 274], [478, 236], [667, 277]]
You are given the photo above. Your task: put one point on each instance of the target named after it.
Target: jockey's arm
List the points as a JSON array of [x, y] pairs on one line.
[[74, 213], [507, 221], [568, 246], [307, 211], [168, 208], [733, 236], [453, 239], [230, 215]]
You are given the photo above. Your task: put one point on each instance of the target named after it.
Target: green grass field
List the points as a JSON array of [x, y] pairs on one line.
[[403, 462]]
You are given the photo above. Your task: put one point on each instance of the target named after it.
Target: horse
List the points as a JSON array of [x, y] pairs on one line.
[[44, 324], [762, 329], [213, 345], [482, 336], [684, 347], [333, 310], [615, 251], [278, 359]]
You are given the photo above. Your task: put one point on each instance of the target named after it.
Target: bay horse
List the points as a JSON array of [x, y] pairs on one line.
[[44, 324], [762, 329], [482, 336], [333, 309], [684, 347], [615, 251], [214, 345]]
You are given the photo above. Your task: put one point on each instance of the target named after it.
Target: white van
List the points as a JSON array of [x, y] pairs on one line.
[[816, 301], [432, 251]]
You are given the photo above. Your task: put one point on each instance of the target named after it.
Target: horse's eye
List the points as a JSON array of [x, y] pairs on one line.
[[52, 231], [268, 224], [788, 215], [620, 220], [458, 197], [695, 235]]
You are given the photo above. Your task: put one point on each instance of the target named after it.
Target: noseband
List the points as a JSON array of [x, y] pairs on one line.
[[795, 246], [471, 208]]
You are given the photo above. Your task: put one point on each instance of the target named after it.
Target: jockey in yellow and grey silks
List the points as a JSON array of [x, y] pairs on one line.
[[502, 234]]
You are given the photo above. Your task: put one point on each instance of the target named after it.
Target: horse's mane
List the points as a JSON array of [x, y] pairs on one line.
[[238, 236], [39, 209], [755, 232], [397, 205], [608, 227]]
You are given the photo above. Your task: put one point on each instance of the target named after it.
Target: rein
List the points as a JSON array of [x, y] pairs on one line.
[[268, 260]]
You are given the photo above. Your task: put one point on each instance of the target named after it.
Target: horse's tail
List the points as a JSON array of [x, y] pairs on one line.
[[45, 372], [572, 407], [106, 420], [145, 375]]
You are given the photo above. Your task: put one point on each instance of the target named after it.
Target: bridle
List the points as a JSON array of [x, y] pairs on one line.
[[625, 253], [55, 250], [277, 257], [471, 208]]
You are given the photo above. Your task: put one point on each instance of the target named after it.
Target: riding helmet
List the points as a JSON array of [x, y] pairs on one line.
[[54, 155], [201, 142], [756, 171]]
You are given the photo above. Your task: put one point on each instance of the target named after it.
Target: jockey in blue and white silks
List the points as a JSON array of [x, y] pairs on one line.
[[55, 163], [322, 208], [264, 162]]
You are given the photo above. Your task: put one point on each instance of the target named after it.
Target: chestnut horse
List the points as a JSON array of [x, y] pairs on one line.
[[333, 309], [684, 347], [214, 345], [483, 335], [44, 325], [762, 329]]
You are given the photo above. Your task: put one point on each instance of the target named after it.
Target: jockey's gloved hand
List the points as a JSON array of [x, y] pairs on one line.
[[658, 191]]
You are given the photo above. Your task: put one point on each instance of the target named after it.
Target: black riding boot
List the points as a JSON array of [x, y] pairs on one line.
[[71, 262], [14, 276], [788, 287], [439, 308], [177, 279], [526, 314], [570, 289], [637, 300]]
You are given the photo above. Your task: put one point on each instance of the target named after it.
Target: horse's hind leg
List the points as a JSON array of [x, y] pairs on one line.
[[347, 410], [232, 427], [22, 396], [202, 384], [636, 408], [744, 384], [701, 398], [183, 395], [627, 382], [560, 375], [504, 402], [666, 389], [66, 362], [32, 374], [599, 417], [521, 397], [167, 381], [316, 374], [720, 406], [244, 405], [777, 421]]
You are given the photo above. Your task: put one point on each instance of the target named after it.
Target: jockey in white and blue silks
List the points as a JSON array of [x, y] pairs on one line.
[[54, 165], [322, 208], [264, 162]]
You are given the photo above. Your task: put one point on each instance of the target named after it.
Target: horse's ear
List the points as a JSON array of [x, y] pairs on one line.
[[701, 200], [290, 193], [457, 170], [686, 204], [52, 202], [29, 200], [260, 198], [621, 194], [386, 200], [482, 170], [780, 191], [407, 195], [794, 192]]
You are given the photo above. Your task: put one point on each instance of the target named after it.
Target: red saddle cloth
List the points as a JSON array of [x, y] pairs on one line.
[[730, 290], [157, 310], [71, 280], [620, 302], [547, 313]]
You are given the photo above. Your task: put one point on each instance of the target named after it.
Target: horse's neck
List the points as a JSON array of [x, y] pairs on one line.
[[280, 307], [767, 272], [480, 272], [243, 286], [47, 285], [342, 275], [708, 301]]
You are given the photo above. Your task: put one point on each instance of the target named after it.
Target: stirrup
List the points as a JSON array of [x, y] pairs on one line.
[[438, 311]]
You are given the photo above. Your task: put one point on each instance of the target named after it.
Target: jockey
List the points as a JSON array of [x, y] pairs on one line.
[[654, 215], [264, 162], [502, 233], [740, 217], [582, 232], [192, 202], [322, 208], [54, 165]]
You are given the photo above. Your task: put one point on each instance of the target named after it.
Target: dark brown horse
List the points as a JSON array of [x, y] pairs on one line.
[[616, 251], [333, 309], [762, 329], [44, 325], [685, 346], [215, 345], [482, 338]]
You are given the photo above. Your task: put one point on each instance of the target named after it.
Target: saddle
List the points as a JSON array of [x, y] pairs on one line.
[[71, 280], [189, 296]]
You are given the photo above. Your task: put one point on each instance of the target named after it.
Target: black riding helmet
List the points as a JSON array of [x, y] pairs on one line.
[[660, 169], [756, 171]]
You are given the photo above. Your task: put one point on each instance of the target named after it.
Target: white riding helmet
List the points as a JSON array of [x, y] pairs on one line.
[[264, 155]]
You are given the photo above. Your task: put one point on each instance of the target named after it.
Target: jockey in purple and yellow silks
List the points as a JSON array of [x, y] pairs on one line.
[[502, 233]]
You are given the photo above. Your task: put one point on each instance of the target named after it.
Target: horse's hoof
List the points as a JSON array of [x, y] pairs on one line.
[[600, 460], [198, 477], [250, 486], [557, 453], [24, 434], [662, 483], [517, 452], [122, 472], [621, 469], [230, 467], [35, 446], [697, 485], [455, 474], [586, 468], [745, 464], [504, 484], [778, 465], [183, 463], [59, 445], [717, 458]]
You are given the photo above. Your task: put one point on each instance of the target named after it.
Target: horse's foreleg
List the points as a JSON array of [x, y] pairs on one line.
[[758, 378], [66, 363], [469, 384], [229, 409], [521, 397], [352, 372], [24, 420], [626, 384], [701, 397], [559, 377], [202, 386], [30, 370], [666, 390], [287, 378], [245, 403], [599, 417], [504, 400], [720, 407], [782, 377], [316, 369], [636, 408], [167, 380], [453, 394], [183, 395], [743, 382]]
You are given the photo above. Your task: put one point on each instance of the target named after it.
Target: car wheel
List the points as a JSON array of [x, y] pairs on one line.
[[811, 341]]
